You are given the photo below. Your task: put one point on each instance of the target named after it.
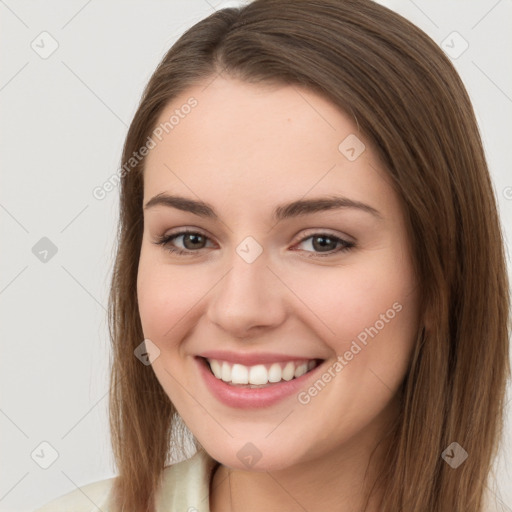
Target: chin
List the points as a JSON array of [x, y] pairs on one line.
[[258, 456]]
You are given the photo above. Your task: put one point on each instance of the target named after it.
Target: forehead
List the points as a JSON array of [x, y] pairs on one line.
[[259, 144]]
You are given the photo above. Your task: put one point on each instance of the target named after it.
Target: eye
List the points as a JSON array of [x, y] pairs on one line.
[[324, 243], [196, 239]]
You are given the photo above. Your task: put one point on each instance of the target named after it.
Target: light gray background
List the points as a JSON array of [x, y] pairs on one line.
[[64, 119]]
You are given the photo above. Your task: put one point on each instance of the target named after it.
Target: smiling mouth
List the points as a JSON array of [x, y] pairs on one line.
[[260, 375]]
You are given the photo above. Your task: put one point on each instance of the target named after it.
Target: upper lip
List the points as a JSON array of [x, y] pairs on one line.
[[250, 359]]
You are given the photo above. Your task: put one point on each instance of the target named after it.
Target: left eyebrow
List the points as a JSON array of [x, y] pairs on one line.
[[308, 206], [285, 211]]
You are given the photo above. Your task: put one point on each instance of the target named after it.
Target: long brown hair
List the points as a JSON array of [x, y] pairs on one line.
[[409, 101]]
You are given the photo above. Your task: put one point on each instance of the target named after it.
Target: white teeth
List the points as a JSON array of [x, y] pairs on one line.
[[216, 368], [289, 371], [259, 374], [226, 372], [239, 374], [274, 373], [301, 370]]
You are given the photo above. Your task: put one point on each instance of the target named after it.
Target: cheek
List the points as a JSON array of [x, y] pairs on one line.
[[369, 321], [166, 295], [372, 303]]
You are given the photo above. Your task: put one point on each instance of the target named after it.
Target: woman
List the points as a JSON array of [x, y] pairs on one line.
[[310, 274]]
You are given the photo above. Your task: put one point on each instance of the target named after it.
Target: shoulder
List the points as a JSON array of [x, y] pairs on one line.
[[87, 498], [183, 485]]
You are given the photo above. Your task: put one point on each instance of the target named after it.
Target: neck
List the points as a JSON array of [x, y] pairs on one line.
[[338, 480]]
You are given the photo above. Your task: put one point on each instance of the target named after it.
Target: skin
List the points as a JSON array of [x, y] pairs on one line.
[[245, 149]]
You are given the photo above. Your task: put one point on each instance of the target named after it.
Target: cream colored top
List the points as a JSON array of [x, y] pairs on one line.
[[185, 488]]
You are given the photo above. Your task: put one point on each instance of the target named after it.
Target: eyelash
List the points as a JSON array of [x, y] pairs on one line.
[[166, 239]]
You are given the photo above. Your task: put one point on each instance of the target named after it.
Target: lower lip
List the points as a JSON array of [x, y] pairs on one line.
[[250, 398]]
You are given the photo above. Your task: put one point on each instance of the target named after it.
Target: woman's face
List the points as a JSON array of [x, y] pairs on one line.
[[261, 283]]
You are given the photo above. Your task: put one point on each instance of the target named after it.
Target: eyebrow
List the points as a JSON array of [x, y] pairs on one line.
[[281, 212]]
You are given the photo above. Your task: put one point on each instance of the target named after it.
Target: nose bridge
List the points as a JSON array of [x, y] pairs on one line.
[[248, 274], [249, 295]]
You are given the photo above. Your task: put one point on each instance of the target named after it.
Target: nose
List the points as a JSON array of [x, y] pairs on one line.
[[248, 299]]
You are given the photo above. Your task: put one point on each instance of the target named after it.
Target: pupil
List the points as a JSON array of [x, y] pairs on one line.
[[322, 245], [193, 237]]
